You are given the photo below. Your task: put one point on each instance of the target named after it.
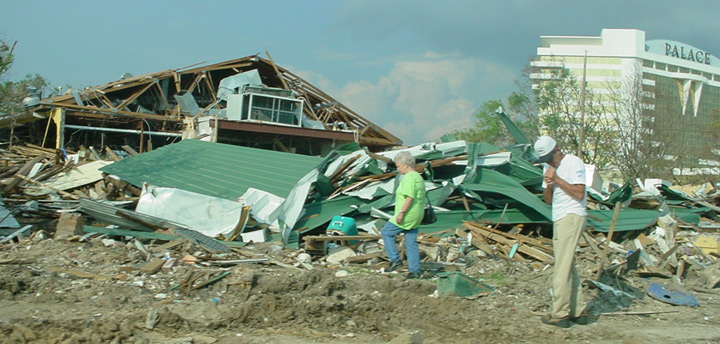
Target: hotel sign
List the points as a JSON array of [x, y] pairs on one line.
[[689, 54], [679, 50]]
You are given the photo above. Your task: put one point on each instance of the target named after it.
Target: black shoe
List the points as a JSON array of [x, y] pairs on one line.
[[412, 275], [585, 319], [394, 266], [559, 322]]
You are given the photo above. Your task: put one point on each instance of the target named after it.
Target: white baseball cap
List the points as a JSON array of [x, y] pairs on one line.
[[544, 147]]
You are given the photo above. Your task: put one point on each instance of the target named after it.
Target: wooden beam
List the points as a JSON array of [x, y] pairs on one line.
[[210, 87], [20, 175], [108, 113], [340, 237], [134, 96], [163, 96], [176, 78], [66, 194], [530, 251], [603, 259], [195, 82], [277, 70], [130, 151], [103, 99], [111, 154]]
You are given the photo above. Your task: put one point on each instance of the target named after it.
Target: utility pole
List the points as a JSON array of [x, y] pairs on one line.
[[581, 139]]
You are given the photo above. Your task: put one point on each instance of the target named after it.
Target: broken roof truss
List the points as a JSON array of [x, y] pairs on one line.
[[158, 104]]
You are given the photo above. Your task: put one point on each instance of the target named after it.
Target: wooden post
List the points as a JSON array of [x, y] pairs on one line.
[[581, 140], [609, 238]]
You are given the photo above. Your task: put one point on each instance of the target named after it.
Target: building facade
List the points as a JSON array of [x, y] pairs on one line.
[[680, 83]]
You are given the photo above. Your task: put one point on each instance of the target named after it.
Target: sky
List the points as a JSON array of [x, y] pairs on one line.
[[419, 69]]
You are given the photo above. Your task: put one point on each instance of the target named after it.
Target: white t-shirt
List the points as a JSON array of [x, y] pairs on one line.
[[571, 170]]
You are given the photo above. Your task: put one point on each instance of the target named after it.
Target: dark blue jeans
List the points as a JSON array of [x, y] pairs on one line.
[[389, 232]]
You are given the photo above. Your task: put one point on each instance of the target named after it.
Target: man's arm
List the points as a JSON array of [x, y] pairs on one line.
[[548, 192], [576, 191]]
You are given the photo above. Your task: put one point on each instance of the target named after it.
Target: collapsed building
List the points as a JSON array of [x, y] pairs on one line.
[[245, 186], [249, 101]]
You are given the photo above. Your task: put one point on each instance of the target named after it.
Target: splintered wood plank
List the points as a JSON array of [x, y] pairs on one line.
[[476, 241], [130, 151], [527, 250], [363, 258], [111, 154], [152, 266], [19, 177], [277, 71]]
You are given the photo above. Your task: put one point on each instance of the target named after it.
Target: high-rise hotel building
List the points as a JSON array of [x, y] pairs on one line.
[[681, 83]]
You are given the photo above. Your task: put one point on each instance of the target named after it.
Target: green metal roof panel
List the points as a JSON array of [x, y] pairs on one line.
[[487, 180], [215, 169], [319, 213], [628, 219]]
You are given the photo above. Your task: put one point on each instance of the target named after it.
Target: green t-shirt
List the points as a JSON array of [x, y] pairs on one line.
[[411, 185]]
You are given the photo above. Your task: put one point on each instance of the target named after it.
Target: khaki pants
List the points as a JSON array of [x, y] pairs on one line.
[[567, 291]]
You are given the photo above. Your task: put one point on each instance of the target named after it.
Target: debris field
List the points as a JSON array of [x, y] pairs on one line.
[[204, 241]]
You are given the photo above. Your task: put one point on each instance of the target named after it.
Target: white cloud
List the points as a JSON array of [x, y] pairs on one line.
[[316, 79], [421, 99]]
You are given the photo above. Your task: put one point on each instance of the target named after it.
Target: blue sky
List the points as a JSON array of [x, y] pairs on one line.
[[417, 68]]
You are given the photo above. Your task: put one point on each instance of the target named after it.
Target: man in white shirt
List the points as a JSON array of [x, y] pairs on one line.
[[564, 183]]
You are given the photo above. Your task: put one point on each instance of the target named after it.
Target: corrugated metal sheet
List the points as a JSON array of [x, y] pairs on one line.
[[628, 219], [319, 213], [215, 169]]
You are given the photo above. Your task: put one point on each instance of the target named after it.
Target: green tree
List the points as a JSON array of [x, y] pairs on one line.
[[559, 104], [6, 57], [12, 93], [489, 128]]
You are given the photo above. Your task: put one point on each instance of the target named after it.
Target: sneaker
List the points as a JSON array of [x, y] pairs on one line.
[[412, 275], [394, 266], [559, 322]]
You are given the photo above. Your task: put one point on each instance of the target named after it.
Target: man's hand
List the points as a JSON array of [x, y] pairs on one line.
[[549, 177]]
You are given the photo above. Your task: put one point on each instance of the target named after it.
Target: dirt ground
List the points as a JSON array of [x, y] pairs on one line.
[[92, 292]]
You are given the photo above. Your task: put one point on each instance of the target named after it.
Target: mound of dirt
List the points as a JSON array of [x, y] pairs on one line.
[[95, 292]]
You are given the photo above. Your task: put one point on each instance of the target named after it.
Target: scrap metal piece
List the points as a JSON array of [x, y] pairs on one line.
[[204, 241], [673, 295]]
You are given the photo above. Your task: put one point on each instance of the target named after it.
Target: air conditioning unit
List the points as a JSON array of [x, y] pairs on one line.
[[266, 105]]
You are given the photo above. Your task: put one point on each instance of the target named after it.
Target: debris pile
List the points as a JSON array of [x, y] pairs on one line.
[[486, 199], [207, 221]]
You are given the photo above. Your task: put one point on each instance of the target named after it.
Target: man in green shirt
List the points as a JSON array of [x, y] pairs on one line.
[[409, 210]]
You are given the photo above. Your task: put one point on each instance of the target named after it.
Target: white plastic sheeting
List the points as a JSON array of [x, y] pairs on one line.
[[265, 206], [353, 168], [208, 215], [293, 205]]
